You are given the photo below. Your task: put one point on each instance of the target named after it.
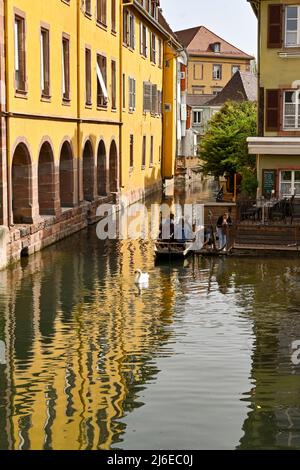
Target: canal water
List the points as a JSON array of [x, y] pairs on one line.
[[202, 359]]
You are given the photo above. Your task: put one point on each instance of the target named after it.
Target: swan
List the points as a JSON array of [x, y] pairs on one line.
[[141, 278]]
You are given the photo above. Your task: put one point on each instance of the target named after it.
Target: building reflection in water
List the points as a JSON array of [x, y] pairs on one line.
[[81, 343], [273, 420]]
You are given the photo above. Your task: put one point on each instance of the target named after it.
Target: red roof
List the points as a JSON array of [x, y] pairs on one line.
[[199, 41]]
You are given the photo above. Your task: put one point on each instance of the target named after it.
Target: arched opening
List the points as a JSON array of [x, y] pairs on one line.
[[101, 169], [88, 172], [113, 168], [46, 181], [21, 186], [66, 176]]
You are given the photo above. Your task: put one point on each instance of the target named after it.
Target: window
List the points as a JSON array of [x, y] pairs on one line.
[[144, 150], [102, 95], [235, 68], [131, 151], [159, 102], [113, 16], [88, 77], [88, 7], [153, 48], [291, 116], [154, 100], [143, 40], [151, 151], [216, 47], [45, 63], [147, 100], [198, 71], [292, 26], [132, 92], [216, 91], [124, 91], [113, 85], [101, 12], [217, 72], [66, 68], [160, 53], [197, 118], [290, 183], [198, 90], [129, 29], [20, 70]]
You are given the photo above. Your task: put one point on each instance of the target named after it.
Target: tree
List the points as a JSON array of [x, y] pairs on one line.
[[224, 148]]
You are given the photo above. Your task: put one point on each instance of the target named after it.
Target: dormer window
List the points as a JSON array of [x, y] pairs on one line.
[[216, 47]]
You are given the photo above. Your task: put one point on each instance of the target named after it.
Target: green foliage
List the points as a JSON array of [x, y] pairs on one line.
[[224, 146], [249, 182]]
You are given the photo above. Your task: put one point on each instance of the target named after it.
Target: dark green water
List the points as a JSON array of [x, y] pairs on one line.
[[200, 360]]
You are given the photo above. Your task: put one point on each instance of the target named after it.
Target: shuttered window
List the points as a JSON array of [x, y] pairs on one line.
[[153, 48], [102, 12], [113, 16], [147, 97], [131, 151], [151, 151], [261, 111], [102, 95], [154, 100], [144, 150], [129, 29], [88, 77], [45, 63], [132, 94], [66, 68], [113, 84], [275, 23], [20, 71], [143, 40], [273, 110]]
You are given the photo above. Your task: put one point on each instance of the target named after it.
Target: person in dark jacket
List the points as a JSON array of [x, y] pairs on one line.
[[223, 223]]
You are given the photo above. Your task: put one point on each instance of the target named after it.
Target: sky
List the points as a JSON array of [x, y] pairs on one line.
[[233, 20]]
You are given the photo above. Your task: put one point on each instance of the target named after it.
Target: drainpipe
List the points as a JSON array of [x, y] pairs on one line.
[[78, 99], [7, 130]]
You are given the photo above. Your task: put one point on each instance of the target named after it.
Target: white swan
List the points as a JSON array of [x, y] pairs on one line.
[[141, 278]]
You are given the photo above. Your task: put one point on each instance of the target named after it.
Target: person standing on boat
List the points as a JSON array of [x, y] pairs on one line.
[[224, 221]]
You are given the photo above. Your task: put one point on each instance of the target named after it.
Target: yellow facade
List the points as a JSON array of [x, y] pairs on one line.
[[94, 150], [201, 80]]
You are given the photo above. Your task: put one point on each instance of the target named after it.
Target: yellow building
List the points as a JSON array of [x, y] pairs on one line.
[[212, 60], [278, 142], [82, 112]]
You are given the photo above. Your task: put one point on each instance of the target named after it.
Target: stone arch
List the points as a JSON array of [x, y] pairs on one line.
[[101, 169], [66, 176], [22, 185], [113, 168], [46, 180], [88, 172]]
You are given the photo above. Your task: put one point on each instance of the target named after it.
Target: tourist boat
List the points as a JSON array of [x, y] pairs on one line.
[[179, 248]]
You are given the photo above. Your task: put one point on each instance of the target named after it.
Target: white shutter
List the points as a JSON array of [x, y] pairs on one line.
[[101, 82]]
